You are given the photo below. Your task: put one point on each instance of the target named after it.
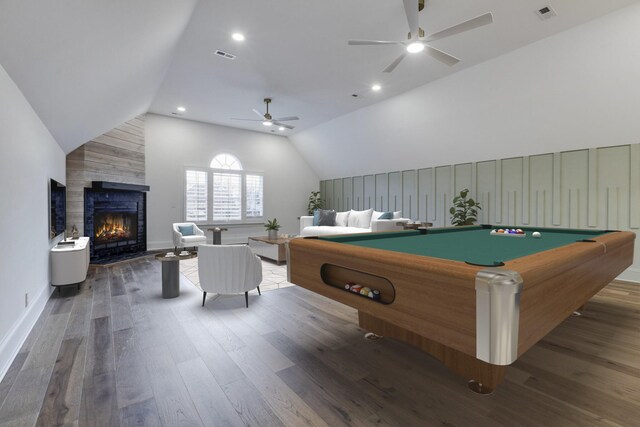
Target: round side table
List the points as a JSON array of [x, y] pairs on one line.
[[171, 273]]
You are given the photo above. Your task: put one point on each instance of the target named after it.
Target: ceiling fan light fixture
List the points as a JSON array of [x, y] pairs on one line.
[[267, 123], [181, 109], [415, 47], [376, 87], [239, 37]]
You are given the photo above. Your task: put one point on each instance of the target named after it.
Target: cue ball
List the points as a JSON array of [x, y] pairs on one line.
[[536, 235]]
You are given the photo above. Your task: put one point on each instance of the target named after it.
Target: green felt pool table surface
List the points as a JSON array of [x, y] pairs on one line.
[[474, 244]]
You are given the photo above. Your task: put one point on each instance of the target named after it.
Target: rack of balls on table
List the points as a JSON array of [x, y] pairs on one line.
[[514, 232], [365, 291]]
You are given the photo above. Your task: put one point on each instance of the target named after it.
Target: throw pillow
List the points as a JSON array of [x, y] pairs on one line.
[[327, 218], [186, 230], [316, 217], [376, 215], [386, 215], [342, 219], [360, 219], [397, 214]]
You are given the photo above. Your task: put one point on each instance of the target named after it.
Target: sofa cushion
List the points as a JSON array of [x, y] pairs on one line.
[[316, 217], [325, 230], [386, 215], [342, 219], [186, 230], [360, 219], [327, 218]]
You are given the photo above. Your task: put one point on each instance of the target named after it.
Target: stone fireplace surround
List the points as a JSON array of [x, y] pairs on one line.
[[115, 198]]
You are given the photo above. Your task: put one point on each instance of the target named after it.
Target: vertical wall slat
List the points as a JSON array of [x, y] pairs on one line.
[[358, 193], [634, 186], [498, 192], [526, 197], [382, 192], [592, 197], [369, 191], [555, 205]]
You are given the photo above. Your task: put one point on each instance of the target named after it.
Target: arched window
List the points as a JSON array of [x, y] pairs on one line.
[[226, 161], [235, 195]]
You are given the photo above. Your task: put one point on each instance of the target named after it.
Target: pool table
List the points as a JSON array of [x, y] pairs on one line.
[[474, 300]]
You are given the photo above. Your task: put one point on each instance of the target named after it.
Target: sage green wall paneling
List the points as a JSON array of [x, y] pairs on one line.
[[443, 195], [540, 189], [512, 191], [634, 182], [338, 203], [410, 194], [485, 190], [574, 184], [369, 191], [358, 193], [425, 196], [613, 187], [382, 192], [395, 191], [347, 194], [328, 200]]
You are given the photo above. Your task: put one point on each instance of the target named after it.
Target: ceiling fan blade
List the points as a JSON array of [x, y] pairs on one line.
[[258, 113], [247, 120], [476, 22], [441, 56], [370, 42], [285, 119], [395, 63], [277, 123], [411, 9]]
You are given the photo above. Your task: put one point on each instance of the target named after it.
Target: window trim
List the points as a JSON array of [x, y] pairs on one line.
[[210, 171]]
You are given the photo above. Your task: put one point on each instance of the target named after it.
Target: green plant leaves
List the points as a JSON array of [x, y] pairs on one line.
[[464, 211]]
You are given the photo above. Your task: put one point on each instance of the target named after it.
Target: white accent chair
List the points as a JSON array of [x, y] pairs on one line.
[[180, 241], [228, 269]]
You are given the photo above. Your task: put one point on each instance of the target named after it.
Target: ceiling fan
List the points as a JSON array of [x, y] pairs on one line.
[[417, 42], [268, 120]]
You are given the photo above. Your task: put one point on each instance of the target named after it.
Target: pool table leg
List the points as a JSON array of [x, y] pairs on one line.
[[482, 377], [578, 311]]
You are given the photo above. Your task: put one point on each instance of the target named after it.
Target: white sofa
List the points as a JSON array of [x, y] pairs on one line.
[[308, 229]]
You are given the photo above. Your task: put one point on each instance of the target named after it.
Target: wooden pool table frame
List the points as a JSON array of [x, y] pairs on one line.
[[434, 306]]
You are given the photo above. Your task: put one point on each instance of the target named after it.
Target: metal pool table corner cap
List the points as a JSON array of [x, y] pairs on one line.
[[497, 315]]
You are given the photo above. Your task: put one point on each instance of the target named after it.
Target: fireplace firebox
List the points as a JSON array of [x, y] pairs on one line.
[[112, 226]]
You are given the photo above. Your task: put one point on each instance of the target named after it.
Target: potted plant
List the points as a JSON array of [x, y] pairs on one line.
[[315, 202], [272, 228], [464, 211]]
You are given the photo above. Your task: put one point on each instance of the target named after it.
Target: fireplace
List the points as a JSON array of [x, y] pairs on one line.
[[115, 220], [112, 226]]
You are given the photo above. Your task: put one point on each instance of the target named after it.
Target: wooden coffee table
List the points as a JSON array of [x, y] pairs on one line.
[[272, 249]]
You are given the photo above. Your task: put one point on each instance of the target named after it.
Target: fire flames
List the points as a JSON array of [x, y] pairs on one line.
[[113, 228]]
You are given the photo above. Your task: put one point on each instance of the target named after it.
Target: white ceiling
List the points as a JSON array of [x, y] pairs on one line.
[[88, 65]]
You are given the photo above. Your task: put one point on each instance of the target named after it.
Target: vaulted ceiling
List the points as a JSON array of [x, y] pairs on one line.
[[88, 65]]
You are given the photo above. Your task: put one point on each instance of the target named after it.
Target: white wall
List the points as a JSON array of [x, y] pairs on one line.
[[30, 157], [574, 90], [172, 144]]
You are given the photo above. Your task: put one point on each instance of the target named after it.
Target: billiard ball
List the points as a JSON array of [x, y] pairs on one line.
[[494, 231], [501, 231], [536, 235]]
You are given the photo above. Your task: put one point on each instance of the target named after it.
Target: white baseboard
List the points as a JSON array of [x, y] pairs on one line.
[[10, 346], [631, 274]]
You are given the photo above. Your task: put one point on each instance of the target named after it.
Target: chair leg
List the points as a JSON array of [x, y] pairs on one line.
[[246, 298], [204, 296], [259, 293]]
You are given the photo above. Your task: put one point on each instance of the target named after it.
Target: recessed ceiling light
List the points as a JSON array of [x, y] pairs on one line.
[[281, 128], [415, 47], [376, 87], [239, 37], [267, 123], [181, 109]]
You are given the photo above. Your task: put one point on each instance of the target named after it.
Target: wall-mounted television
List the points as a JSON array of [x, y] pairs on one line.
[[57, 209]]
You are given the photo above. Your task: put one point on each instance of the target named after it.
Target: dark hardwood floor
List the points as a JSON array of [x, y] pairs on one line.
[[116, 354]]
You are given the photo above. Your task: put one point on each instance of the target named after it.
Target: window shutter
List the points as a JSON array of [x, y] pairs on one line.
[[227, 197], [254, 196]]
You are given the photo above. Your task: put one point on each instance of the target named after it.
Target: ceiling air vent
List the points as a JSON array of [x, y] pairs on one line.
[[546, 12], [225, 54]]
